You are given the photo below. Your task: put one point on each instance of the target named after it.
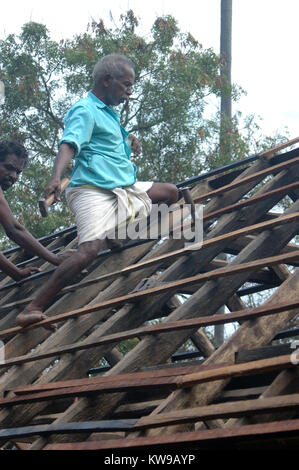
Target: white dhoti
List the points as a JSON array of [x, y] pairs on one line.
[[98, 211]]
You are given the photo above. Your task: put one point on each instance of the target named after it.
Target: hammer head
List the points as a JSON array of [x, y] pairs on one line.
[[43, 207]]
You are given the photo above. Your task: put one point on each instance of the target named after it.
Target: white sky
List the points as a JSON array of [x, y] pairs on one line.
[[264, 36]]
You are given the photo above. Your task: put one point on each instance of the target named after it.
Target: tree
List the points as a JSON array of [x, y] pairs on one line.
[[175, 77], [31, 68]]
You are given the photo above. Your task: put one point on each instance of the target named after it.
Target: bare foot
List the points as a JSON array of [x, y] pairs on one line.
[[28, 318]]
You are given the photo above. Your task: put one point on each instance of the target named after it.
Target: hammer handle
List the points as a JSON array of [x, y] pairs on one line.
[[50, 199]]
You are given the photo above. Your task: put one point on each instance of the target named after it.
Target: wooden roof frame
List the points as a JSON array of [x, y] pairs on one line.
[[144, 401]]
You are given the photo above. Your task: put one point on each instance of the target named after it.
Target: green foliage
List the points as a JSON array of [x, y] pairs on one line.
[[175, 78]]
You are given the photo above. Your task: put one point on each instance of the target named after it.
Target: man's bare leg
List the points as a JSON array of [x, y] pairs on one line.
[[62, 276], [73, 265], [163, 192]]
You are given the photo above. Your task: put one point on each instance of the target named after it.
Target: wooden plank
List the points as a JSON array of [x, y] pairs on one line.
[[66, 428], [168, 257], [68, 332], [263, 353], [248, 179], [250, 201], [285, 382], [252, 334], [132, 316], [124, 384], [280, 429], [135, 409], [227, 410], [272, 404], [170, 383], [240, 394], [271, 152], [145, 354], [155, 374], [174, 286], [252, 367], [163, 327]]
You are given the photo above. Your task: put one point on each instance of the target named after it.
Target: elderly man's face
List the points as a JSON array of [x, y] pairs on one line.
[[119, 89]]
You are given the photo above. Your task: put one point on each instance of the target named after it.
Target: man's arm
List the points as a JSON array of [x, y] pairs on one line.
[[65, 155], [135, 144], [18, 233], [13, 271]]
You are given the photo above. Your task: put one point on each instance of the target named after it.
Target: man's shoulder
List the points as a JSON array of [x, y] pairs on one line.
[[84, 102], [82, 107]]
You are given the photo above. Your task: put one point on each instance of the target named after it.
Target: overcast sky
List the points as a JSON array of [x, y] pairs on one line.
[[265, 41]]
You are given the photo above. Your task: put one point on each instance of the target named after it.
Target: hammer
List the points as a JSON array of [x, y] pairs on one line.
[[45, 203]]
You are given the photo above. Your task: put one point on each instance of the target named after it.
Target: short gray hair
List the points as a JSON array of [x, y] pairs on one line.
[[112, 64]]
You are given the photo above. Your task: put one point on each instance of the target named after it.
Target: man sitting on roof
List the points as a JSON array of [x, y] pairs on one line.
[[13, 159], [103, 185]]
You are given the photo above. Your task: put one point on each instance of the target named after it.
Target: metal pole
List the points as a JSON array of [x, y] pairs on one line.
[[226, 59], [225, 109]]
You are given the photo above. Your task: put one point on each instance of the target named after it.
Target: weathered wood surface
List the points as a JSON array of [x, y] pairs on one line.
[[273, 404], [152, 350], [248, 179], [91, 426], [282, 429], [155, 374], [173, 286], [184, 377], [232, 409], [216, 319], [169, 256], [249, 335]]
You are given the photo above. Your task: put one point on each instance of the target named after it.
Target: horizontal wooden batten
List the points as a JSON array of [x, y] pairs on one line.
[[224, 410], [281, 429], [259, 174], [233, 409], [251, 229], [68, 428], [119, 384], [164, 327], [155, 374], [173, 286]]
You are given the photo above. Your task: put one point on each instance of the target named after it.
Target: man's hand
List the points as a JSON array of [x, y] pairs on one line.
[[135, 144], [53, 187], [26, 272]]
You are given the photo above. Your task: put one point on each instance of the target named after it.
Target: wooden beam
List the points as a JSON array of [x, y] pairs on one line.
[[248, 179], [214, 437], [222, 410], [252, 367], [81, 427], [117, 383], [155, 374], [271, 152], [164, 327], [132, 316], [167, 257], [263, 353], [250, 201], [255, 228], [250, 334], [174, 286]]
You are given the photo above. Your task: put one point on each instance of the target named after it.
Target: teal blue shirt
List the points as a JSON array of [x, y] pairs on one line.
[[102, 155]]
